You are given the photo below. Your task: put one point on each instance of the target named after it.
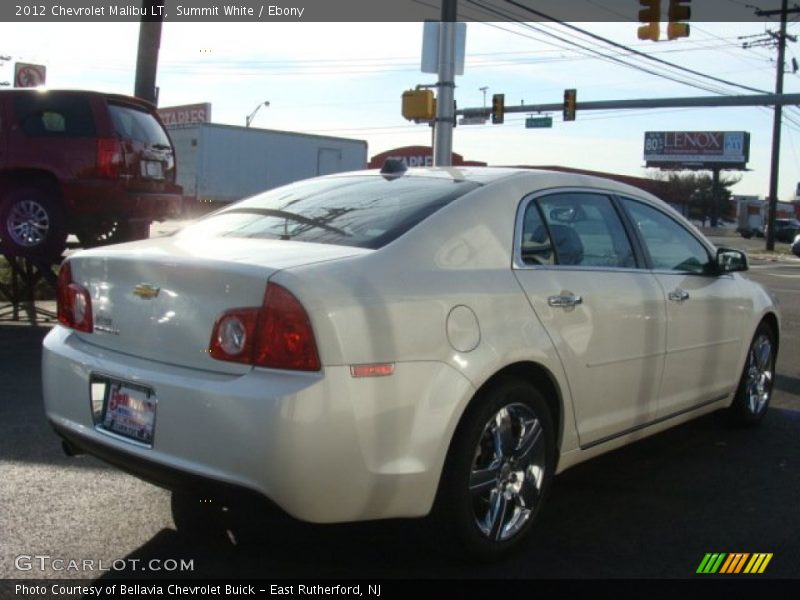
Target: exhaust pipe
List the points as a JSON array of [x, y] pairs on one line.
[[70, 450]]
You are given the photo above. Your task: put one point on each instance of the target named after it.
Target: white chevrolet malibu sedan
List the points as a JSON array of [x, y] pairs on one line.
[[388, 344]]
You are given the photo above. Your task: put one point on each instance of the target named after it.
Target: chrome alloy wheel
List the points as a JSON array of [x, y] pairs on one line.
[[28, 223], [760, 373], [507, 471]]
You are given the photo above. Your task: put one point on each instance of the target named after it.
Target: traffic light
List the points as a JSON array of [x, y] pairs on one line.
[[419, 105], [679, 10], [498, 108], [570, 97], [650, 18]]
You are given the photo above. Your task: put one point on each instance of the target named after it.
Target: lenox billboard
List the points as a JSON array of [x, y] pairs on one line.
[[697, 149]]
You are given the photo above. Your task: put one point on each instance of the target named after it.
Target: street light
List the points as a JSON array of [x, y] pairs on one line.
[[252, 115]]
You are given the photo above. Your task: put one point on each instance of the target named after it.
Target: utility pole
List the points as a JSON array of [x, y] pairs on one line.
[[443, 129], [147, 58], [776, 125]]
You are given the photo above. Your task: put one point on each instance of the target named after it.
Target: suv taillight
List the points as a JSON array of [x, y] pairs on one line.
[[73, 301], [109, 157], [277, 335]]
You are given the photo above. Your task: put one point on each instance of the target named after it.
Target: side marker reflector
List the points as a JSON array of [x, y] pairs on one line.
[[372, 370]]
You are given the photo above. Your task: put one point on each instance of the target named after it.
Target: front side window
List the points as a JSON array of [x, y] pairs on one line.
[[362, 211], [670, 246], [575, 229]]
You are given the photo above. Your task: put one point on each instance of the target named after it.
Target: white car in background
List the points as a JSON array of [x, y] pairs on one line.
[[389, 344]]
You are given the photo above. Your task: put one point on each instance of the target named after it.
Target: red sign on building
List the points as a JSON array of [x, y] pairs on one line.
[[186, 115], [418, 156]]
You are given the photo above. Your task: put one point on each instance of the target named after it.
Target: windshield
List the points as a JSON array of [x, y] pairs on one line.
[[363, 211]]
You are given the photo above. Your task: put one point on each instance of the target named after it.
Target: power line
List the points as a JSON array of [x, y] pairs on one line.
[[607, 57], [627, 48]]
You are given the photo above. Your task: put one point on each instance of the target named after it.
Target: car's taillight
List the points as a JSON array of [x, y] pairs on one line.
[[277, 335], [233, 335], [74, 302], [109, 157]]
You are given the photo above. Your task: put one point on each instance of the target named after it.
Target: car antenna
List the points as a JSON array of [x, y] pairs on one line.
[[393, 168]]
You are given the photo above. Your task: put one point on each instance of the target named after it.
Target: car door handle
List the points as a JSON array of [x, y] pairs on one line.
[[678, 295], [564, 300]]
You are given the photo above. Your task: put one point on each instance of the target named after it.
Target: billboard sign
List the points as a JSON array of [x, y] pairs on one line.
[[697, 149], [186, 115]]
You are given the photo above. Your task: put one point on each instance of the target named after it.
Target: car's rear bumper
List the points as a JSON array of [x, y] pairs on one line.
[[324, 447]]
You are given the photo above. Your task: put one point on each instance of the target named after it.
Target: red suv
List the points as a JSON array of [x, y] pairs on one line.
[[100, 166]]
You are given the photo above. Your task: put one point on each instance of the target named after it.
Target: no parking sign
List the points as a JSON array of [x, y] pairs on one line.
[[29, 75]]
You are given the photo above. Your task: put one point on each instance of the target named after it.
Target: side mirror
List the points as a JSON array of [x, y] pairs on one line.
[[730, 260]]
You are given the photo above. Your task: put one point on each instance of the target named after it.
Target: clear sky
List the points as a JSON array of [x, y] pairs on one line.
[[347, 79]]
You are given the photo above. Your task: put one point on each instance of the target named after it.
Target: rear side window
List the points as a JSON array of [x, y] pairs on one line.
[[575, 229], [133, 123], [45, 115], [362, 211]]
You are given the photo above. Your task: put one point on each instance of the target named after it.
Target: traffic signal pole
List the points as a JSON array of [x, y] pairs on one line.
[[445, 117], [687, 102]]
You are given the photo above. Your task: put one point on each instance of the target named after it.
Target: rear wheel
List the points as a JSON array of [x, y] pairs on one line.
[[755, 387], [498, 471], [32, 223]]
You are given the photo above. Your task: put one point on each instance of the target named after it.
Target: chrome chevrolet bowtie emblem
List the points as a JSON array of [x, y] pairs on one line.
[[146, 291]]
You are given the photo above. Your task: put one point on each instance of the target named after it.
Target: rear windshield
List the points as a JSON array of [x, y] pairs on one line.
[[362, 211], [137, 124]]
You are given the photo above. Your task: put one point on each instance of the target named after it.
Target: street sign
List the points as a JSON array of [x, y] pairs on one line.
[[28, 75], [538, 122], [430, 47], [472, 120]]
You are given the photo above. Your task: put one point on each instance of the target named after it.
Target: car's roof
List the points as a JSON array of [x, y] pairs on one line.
[[541, 178]]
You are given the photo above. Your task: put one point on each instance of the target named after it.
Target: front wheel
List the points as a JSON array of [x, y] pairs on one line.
[[755, 386], [499, 470]]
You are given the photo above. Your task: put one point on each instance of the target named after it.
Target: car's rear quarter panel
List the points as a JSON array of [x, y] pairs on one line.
[[393, 305]]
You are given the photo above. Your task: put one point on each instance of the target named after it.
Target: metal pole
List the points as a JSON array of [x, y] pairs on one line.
[[147, 58], [776, 134], [443, 131], [715, 197]]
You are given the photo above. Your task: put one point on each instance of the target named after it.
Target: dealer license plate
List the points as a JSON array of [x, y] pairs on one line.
[[129, 411]]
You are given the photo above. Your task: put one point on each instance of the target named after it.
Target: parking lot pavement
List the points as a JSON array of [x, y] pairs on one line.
[[652, 509]]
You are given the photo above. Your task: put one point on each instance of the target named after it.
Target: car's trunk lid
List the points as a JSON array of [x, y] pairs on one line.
[[159, 299]]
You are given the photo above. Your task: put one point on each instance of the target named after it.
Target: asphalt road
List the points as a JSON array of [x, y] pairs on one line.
[[652, 509]]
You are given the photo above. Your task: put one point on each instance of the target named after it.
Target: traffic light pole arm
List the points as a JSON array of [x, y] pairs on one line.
[[690, 102]]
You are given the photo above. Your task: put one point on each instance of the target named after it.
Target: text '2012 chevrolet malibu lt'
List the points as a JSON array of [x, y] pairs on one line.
[[391, 344]]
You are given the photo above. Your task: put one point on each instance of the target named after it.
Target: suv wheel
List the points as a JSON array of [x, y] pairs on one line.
[[104, 233], [32, 223]]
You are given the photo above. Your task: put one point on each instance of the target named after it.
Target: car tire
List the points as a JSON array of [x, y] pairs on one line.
[[752, 397], [104, 233], [498, 470], [32, 223], [199, 518]]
